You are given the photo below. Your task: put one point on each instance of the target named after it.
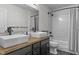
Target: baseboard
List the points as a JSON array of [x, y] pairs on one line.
[[66, 50]]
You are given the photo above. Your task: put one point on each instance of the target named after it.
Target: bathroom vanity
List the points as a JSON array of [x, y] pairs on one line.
[[34, 46]]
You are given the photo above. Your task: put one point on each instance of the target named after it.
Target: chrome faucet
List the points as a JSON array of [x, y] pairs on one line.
[[9, 30]]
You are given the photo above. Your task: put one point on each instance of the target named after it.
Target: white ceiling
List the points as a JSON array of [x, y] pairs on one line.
[[25, 6], [57, 6], [51, 6]]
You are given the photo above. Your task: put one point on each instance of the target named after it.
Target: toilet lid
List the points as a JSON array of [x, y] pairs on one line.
[[54, 43]]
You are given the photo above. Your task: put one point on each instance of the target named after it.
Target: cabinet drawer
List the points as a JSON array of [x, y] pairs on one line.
[[22, 51]]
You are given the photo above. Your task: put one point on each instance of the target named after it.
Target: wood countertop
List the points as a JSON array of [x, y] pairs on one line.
[[31, 41]]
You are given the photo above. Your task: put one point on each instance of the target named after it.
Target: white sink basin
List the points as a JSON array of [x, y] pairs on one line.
[[11, 40], [38, 34]]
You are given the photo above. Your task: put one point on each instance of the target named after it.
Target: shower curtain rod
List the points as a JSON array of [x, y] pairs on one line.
[[64, 8]]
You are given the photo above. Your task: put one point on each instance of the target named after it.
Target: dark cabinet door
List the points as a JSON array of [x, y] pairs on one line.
[[48, 48], [36, 48], [23, 51], [45, 47]]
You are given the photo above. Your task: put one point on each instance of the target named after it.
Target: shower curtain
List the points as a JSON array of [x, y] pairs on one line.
[[74, 16]]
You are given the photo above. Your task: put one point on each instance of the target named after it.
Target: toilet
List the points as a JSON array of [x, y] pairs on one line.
[[54, 46]]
